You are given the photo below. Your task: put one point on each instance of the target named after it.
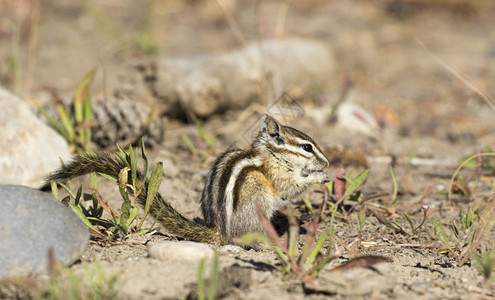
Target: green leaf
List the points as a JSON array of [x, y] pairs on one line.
[[81, 215], [292, 241], [68, 190], [53, 185], [108, 177], [409, 220], [442, 235], [283, 259], [66, 122], [122, 224], [145, 158], [308, 205], [153, 187], [55, 125], [81, 95], [362, 217], [94, 181], [469, 163], [251, 237], [87, 117], [396, 186], [214, 275], [330, 187], [201, 280], [133, 165], [455, 231], [355, 183], [189, 144], [132, 216], [312, 256], [209, 140], [323, 263], [292, 238], [78, 195], [397, 225]]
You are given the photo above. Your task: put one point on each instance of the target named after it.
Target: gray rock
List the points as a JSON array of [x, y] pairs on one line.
[[33, 222], [180, 251], [30, 149], [216, 82]]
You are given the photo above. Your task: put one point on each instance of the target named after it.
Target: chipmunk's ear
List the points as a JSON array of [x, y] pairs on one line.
[[273, 130]]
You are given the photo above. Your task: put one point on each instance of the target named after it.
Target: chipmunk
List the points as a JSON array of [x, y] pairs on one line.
[[280, 166]]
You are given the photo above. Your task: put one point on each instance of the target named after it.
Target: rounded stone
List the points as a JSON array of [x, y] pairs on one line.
[[230, 249], [30, 149], [180, 251], [32, 224]]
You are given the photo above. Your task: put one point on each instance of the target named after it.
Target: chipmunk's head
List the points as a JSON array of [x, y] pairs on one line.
[[294, 149]]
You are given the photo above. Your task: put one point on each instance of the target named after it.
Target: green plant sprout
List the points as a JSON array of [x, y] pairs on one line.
[[310, 261], [485, 264], [204, 136], [461, 234], [127, 222], [210, 291], [465, 162], [64, 284], [465, 235], [396, 188], [344, 188], [76, 132]]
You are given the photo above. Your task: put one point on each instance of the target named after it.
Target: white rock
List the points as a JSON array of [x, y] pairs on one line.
[[30, 149], [180, 251], [230, 249], [353, 117]]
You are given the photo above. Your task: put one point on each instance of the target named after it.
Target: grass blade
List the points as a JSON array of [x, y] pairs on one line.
[[145, 158], [356, 183], [81, 95], [316, 249], [201, 280], [81, 215], [133, 165], [66, 122], [54, 124], [212, 287], [153, 187], [396, 187]]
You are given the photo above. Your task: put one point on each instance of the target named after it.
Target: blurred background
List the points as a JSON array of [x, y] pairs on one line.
[[420, 66]]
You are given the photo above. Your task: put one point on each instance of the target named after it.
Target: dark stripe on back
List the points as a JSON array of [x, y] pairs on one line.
[[238, 184], [208, 199], [227, 172], [225, 175]]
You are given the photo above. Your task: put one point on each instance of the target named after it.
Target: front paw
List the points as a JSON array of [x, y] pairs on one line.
[[321, 177]]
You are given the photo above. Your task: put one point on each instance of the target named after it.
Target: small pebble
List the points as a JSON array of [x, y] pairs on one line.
[[180, 251], [230, 249]]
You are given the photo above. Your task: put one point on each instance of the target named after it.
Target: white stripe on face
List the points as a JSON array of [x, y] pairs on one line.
[[297, 148], [316, 151]]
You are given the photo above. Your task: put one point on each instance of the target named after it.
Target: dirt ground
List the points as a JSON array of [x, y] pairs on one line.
[[405, 59]]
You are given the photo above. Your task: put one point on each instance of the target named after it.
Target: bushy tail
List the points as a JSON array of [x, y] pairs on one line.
[[174, 221]]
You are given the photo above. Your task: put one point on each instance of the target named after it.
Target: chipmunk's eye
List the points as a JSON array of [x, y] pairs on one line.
[[307, 147]]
